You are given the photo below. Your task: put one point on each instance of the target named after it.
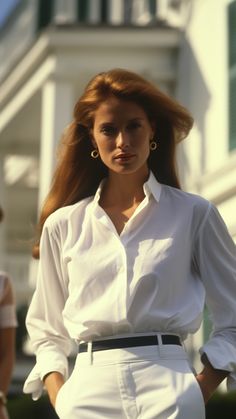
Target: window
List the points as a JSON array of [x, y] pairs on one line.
[[45, 13], [232, 74], [6, 11], [82, 10], [95, 11], [152, 7], [104, 11]]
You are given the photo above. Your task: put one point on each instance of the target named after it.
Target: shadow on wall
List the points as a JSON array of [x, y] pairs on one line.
[[192, 91]]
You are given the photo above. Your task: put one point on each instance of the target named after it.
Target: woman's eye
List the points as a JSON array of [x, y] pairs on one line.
[[108, 130], [134, 125]]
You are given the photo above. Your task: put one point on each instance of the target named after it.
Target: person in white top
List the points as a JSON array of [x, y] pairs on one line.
[[8, 324], [127, 262]]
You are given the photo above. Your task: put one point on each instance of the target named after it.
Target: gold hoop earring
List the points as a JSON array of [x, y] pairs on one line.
[[153, 145], [94, 154]]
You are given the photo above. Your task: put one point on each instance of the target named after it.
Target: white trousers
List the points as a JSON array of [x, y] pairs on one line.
[[147, 382]]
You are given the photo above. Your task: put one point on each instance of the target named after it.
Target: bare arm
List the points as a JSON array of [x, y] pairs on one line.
[[209, 379], [53, 382], [7, 356]]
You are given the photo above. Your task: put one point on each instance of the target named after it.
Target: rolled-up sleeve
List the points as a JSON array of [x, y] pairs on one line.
[[49, 338], [215, 258]]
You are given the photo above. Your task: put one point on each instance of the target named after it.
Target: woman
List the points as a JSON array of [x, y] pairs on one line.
[[126, 259], [7, 336]]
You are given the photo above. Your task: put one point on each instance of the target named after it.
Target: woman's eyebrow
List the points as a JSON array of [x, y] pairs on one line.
[[108, 123]]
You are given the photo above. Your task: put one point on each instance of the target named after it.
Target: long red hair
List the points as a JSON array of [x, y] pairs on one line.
[[77, 175]]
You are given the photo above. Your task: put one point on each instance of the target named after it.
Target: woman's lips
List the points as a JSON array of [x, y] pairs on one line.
[[124, 157]]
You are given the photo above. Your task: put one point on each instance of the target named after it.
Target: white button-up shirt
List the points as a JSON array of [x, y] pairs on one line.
[[173, 252]]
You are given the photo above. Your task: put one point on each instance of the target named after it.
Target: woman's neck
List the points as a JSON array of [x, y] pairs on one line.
[[124, 190]]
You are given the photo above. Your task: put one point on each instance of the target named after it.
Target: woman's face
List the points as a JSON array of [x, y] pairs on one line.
[[122, 134]]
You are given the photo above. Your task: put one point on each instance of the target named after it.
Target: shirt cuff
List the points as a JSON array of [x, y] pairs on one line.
[[46, 362], [222, 355]]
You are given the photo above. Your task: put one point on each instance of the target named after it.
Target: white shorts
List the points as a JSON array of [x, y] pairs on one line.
[[145, 382]]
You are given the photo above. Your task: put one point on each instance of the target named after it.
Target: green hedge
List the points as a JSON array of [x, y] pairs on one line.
[[23, 407], [222, 406]]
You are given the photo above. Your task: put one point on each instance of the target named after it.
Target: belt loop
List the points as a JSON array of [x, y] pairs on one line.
[[159, 340], [90, 352]]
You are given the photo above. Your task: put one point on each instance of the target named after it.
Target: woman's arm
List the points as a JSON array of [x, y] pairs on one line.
[[53, 382], [7, 356], [209, 379], [49, 337], [215, 262]]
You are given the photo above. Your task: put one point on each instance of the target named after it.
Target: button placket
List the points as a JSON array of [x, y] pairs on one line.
[[122, 279], [104, 219]]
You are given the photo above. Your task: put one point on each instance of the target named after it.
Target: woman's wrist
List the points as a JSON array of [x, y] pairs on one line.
[[206, 388], [53, 382], [210, 378]]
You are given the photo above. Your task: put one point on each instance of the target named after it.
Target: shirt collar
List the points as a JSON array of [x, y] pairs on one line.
[[98, 192], [150, 187]]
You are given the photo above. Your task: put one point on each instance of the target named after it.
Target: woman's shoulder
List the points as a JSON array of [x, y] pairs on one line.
[[67, 213], [187, 200]]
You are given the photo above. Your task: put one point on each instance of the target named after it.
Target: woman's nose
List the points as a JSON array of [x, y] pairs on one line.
[[123, 140]]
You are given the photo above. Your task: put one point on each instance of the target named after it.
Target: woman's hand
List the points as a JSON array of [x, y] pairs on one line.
[[53, 382], [209, 379], [3, 412], [206, 391]]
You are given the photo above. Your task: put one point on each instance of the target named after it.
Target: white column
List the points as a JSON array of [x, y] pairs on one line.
[[162, 8], [57, 108], [116, 12], [140, 12]]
